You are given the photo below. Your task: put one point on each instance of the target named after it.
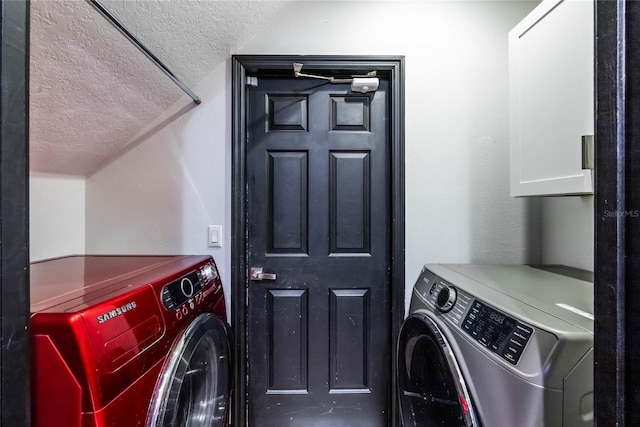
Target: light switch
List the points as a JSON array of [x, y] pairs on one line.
[[215, 236]]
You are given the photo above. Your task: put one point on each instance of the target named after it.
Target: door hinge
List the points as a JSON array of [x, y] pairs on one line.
[[252, 81]]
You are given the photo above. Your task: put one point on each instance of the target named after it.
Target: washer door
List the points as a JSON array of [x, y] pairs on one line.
[[431, 387], [194, 387]]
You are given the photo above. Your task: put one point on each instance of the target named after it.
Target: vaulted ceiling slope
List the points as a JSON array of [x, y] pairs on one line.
[[92, 91]]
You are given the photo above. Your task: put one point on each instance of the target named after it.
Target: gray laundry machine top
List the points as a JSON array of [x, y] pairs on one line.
[[551, 316], [522, 336], [549, 289]]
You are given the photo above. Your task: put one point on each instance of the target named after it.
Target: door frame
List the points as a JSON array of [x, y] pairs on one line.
[[616, 219], [388, 66], [15, 381]]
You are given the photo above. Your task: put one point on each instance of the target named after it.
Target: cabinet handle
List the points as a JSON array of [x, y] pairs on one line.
[[587, 151]]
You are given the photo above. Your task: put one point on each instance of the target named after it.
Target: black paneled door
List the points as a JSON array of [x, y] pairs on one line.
[[319, 313]]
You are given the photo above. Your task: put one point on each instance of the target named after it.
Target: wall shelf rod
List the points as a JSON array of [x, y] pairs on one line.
[[114, 21]]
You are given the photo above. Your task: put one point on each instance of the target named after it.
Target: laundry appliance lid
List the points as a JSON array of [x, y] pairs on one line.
[[562, 296], [61, 284]]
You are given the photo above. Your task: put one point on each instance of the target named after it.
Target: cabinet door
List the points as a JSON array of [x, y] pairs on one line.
[[551, 98]]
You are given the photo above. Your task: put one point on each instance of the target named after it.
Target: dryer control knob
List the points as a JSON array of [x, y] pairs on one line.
[[446, 298]]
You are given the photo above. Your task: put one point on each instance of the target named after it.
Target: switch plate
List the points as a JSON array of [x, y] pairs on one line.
[[214, 236]]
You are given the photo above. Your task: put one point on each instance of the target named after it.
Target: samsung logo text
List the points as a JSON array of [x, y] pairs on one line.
[[116, 312]]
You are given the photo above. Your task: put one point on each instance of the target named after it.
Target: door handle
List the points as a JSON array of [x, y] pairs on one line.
[[257, 274]]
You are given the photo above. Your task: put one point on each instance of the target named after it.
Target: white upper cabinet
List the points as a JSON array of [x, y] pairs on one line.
[[551, 90]]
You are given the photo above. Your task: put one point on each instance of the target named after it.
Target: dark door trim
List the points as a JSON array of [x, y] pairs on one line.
[[390, 66], [617, 213], [15, 398]]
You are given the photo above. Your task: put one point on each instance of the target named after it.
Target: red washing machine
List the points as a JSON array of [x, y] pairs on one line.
[[129, 341]]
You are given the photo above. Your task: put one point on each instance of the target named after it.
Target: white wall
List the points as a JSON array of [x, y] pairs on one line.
[[568, 236], [57, 215], [162, 193]]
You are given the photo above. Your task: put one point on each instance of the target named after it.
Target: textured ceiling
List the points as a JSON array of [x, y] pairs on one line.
[[92, 91]]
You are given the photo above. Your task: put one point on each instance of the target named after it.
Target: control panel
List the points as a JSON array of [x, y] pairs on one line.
[[187, 287], [441, 295], [499, 333]]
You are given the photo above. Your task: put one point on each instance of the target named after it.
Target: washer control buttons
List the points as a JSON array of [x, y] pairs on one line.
[[186, 287], [180, 291], [516, 343], [498, 332], [446, 298]]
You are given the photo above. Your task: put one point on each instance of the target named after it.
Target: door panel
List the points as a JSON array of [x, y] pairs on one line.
[[350, 205], [348, 347], [287, 221], [287, 356], [318, 179]]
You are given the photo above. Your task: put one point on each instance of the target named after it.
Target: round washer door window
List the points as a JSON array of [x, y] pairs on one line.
[[432, 390], [194, 388]]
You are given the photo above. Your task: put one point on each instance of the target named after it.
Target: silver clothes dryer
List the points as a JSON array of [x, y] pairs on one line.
[[497, 346]]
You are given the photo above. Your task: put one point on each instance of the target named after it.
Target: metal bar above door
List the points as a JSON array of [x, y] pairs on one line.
[[114, 21]]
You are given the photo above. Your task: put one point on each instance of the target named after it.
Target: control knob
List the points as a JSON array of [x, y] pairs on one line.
[[208, 272], [446, 298]]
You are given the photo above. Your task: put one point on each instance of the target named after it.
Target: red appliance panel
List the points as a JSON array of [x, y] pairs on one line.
[[112, 334], [62, 332], [54, 386], [130, 407], [121, 334]]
